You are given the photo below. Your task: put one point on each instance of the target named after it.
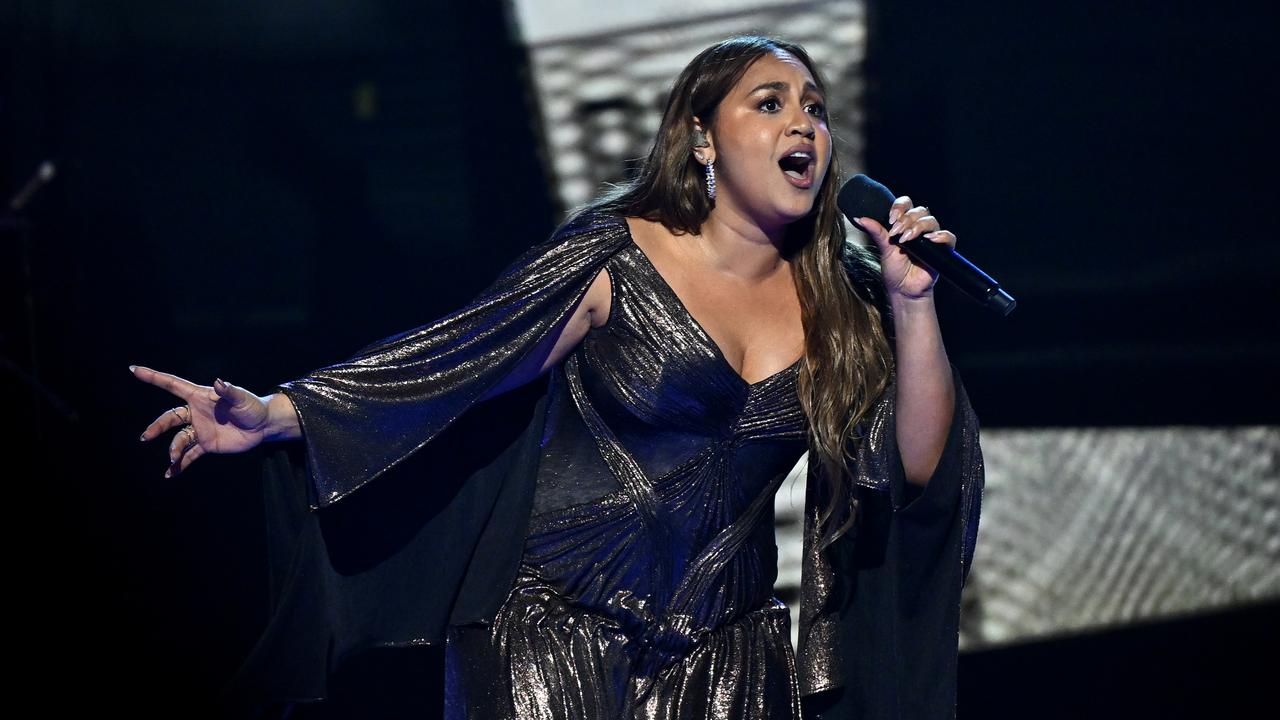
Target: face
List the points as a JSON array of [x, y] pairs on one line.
[[774, 112]]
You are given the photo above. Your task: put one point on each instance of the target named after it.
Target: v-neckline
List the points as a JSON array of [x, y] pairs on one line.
[[702, 331]]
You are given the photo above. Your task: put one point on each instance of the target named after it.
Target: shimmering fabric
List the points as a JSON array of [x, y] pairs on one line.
[[879, 620], [548, 659], [442, 540], [396, 394], [655, 599], [346, 556]]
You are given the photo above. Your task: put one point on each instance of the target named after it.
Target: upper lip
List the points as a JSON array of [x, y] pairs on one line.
[[804, 148]]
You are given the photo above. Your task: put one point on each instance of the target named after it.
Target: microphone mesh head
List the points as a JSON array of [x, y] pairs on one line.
[[863, 197]]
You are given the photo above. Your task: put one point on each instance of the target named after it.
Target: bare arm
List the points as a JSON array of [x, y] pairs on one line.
[[925, 399]]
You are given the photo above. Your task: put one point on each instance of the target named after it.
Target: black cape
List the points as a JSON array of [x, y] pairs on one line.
[[437, 540]]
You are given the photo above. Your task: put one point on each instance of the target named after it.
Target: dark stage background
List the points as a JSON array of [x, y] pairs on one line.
[[252, 190]]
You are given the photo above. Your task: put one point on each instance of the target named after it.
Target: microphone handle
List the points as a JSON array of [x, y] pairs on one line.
[[960, 272]]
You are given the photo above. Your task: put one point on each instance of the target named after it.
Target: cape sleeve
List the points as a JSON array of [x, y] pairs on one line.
[[879, 618], [434, 540], [362, 416]]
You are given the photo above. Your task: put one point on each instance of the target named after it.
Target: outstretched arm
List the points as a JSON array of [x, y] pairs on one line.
[[280, 421], [224, 418]]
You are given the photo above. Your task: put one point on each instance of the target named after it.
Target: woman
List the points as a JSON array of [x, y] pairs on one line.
[[702, 327]]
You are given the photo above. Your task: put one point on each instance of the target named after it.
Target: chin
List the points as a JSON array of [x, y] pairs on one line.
[[797, 213]]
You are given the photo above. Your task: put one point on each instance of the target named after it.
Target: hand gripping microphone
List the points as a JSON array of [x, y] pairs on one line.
[[864, 197]]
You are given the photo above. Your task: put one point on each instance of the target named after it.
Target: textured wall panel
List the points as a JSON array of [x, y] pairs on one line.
[[1087, 528]]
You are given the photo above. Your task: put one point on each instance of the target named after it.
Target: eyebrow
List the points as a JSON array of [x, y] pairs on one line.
[[782, 86]]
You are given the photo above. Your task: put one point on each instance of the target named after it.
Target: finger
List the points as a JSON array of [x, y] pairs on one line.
[[176, 463], [172, 383], [189, 457], [899, 207], [942, 236], [233, 394], [875, 230], [181, 443], [171, 418], [905, 220], [238, 406], [921, 225]]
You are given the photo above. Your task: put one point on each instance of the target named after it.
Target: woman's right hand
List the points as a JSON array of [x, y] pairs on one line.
[[218, 418]]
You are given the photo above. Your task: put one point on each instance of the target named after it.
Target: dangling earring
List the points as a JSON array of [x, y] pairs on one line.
[[700, 141]]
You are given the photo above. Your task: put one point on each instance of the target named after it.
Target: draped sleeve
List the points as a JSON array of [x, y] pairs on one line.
[[362, 416], [436, 539], [879, 608]]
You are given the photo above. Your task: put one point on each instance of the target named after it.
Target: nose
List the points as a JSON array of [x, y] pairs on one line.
[[803, 126]]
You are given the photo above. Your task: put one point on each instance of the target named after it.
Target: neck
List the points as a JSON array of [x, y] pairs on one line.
[[738, 245]]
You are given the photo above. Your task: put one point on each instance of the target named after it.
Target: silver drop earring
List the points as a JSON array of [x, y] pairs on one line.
[[700, 141]]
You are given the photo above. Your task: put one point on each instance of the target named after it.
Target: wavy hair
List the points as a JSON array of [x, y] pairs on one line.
[[848, 363]]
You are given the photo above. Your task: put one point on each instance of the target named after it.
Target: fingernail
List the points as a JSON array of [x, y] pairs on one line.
[[218, 383], [132, 368], [168, 473], [143, 437]]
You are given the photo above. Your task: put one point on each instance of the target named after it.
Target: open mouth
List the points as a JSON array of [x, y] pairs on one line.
[[798, 167]]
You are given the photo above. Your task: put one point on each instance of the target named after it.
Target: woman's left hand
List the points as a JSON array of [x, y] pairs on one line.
[[903, 277]]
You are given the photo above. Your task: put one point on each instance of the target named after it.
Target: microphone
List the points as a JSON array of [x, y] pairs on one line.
[[863, 197]]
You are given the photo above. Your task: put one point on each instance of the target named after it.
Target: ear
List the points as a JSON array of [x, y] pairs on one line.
[[704, 150]]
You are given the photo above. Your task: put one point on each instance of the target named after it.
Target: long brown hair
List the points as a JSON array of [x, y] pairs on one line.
[[847, 362]]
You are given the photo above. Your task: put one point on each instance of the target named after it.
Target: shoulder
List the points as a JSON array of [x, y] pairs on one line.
[[587, 238], [590, 223]]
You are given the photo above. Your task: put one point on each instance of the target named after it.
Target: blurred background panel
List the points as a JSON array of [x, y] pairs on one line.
[[602, 74], [253, 189]]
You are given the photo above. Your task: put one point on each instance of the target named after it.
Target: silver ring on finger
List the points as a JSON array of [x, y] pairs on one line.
[[194, 439], [178, 415]]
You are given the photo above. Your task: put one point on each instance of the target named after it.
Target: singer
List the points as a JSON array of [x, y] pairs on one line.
[[703, 326]]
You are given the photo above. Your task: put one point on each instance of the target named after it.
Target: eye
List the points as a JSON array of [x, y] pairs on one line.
[[818, 109], [770, 101]]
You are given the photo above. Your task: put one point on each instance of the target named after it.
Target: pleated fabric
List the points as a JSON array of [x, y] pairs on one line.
[[548, 659]]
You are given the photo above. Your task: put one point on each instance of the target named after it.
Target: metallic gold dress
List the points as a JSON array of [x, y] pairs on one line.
[[646, 585]]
